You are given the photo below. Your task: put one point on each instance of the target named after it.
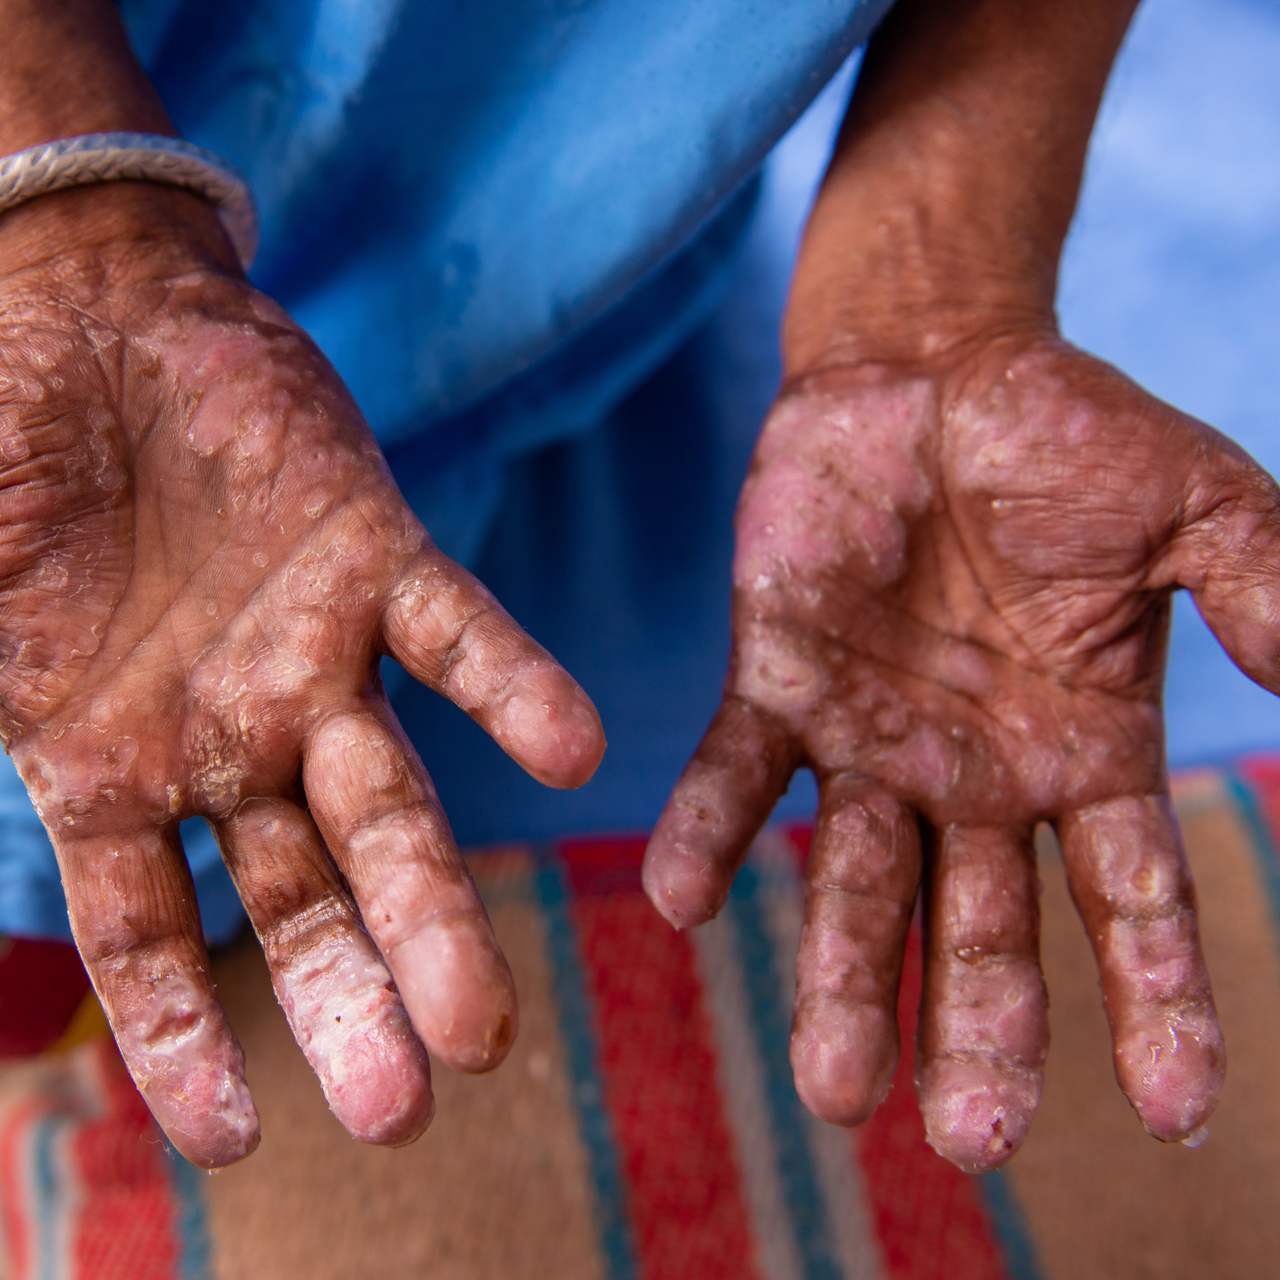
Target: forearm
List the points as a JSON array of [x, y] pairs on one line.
[[955, 178], [66, 68]]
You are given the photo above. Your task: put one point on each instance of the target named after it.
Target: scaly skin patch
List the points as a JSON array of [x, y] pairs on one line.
[[952, 588], [202, 559]]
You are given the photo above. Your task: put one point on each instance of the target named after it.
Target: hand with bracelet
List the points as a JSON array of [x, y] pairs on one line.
[[204, 557], [955, 553]]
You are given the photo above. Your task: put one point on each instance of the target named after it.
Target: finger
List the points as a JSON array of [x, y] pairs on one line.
[[864, 874], [1229, 558], [1131, 884], [332, 984], [449, 632], [133, 914], [723, 798], [984, 1022], [379, 816]]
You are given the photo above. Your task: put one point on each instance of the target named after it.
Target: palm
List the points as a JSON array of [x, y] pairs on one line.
[[985, 619], [228, 537], [951, 601], [205, 558]]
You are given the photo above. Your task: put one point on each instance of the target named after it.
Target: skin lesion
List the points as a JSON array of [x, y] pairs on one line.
[[238, 589], [1009, 673]]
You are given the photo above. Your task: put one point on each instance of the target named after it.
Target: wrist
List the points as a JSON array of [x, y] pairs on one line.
[[66, 69], [904, 281], [944, 212], [120, 229]]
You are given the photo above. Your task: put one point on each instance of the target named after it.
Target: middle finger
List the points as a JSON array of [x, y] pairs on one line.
[[381, 819], [984, 1029]]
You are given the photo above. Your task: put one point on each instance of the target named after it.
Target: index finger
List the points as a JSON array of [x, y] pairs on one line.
[[447, 630]]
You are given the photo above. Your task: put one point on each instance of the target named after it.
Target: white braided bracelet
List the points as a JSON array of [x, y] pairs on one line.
[[146, 157]]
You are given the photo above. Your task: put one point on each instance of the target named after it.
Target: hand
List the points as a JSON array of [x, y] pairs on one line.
[[952, 589], [204, 558]]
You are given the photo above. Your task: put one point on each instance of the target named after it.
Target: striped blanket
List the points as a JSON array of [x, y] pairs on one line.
[[646, 1124]]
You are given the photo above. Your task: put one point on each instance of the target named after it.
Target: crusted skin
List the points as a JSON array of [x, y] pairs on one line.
[[952, 590], [203, 559]]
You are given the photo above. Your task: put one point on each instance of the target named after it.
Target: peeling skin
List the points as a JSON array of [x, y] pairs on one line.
[[345, 1014], [951, 601], [204, 560], [189, 1069]]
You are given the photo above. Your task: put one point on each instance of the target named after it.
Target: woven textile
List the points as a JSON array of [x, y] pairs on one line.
[[646, 1125]]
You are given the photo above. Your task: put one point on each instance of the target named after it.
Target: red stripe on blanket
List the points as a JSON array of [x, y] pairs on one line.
[[14, 1186], [1263, 775], [128, 1222], [659, 1071], [41, 986], [114, 1196], [928, 1215]]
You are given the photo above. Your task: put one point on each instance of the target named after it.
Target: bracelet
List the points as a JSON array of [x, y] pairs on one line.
[[144, 157]]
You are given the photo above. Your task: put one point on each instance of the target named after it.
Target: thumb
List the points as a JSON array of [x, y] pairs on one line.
[[1228, 557]]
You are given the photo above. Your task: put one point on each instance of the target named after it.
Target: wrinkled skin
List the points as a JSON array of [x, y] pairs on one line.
[[203, 558], [952, 588]]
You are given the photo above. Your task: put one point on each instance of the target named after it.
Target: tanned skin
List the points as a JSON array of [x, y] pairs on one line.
[[956, 550], [203, 559]]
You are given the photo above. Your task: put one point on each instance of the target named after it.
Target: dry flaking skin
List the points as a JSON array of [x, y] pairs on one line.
[[952, 590], [203, 559]]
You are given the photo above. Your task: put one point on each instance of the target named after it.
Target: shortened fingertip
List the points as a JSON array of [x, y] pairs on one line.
[[214, 1148], [977, 1113], [680, 886], [189, 1068]]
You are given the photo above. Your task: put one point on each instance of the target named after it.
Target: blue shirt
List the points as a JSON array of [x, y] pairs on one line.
[[499, 218]]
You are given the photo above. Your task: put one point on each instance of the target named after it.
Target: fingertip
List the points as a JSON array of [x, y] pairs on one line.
[[460, 995], [720, 802], [1173, 1071], [383, 1096], [198, 1150], [844, 1060], [479, 1044], [209, 1117], [552, 729], [977, 1114], [680, 883]]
